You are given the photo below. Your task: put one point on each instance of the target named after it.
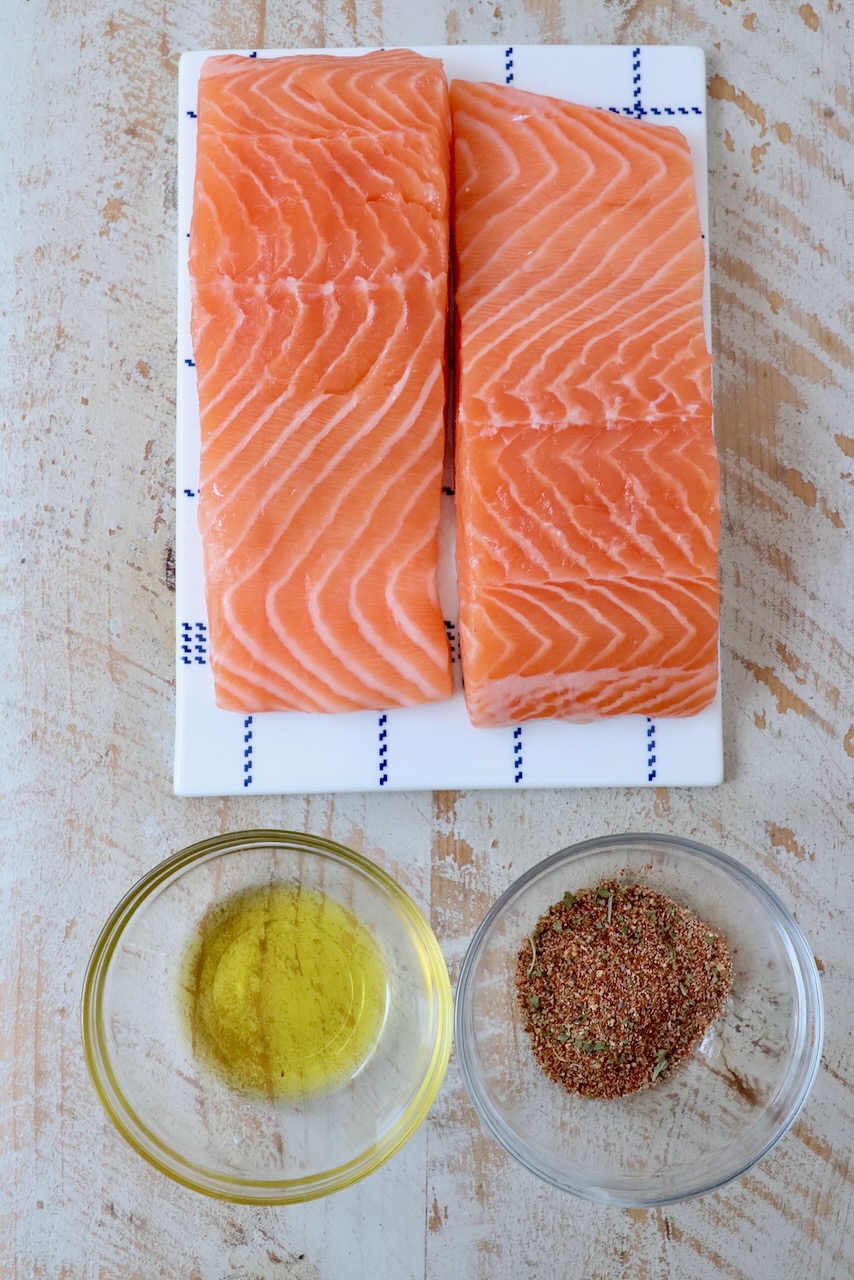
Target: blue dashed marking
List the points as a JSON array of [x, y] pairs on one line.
[[192, 115], [383, 745], [508, 65], [453, 640], [194, 643], [247, 751], [636, 84], [637, 109], [191, 364], [675, 111], [517, 754], [191, 493], [655, 111], [186, 643], [650, 750]]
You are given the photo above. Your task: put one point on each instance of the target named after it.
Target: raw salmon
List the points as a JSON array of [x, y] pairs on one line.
[[319, 267], [586, 470]]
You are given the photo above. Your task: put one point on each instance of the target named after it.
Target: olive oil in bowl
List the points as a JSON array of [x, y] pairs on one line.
[[283, 991]]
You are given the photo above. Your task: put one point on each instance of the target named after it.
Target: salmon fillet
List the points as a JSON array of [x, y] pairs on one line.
[[586, 471], [318, 259]]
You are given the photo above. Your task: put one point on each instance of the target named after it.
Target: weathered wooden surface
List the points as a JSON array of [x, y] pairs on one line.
[[87, 143]]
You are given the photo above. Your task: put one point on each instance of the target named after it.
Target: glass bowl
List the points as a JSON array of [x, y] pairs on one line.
[[223, 1137], [719, 1111]]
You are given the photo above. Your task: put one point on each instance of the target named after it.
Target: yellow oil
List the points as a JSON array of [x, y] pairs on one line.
[[283, 991]]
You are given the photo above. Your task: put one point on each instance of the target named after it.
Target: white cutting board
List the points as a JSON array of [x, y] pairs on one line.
[[433, 747]]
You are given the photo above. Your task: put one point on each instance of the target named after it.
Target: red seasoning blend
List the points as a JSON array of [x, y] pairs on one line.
[[617, 985]]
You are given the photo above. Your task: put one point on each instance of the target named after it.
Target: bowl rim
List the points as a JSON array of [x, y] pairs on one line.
[[235, 1188], [807, 982]]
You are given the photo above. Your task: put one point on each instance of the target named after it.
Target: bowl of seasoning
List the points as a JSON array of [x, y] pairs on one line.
[[639, 1019], [267, 1017]]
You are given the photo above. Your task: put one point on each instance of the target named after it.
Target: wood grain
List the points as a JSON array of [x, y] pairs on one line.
[[87, 318]]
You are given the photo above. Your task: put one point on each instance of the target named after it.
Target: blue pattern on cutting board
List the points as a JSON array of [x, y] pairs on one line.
[[650, 750], [383, 743], [675, 111], [453, 640], [508, 65], [636, 83], [637, 109], [194, 643], [247, 751], [517, 754]]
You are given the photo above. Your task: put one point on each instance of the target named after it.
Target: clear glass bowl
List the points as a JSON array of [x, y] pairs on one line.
[[721, 1110], [183, 1117]]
